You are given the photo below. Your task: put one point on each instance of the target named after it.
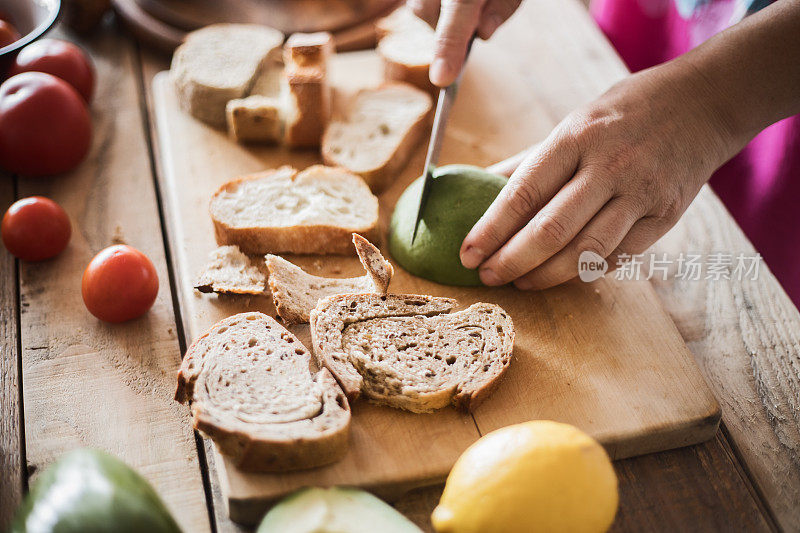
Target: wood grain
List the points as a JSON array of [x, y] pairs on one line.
[[88, 383], [747, 337], [604, 357], [11, 453]]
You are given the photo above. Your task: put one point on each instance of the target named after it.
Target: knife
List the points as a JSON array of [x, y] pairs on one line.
[[447, 96]]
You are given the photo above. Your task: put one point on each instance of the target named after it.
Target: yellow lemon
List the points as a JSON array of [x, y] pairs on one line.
[[530, 477]]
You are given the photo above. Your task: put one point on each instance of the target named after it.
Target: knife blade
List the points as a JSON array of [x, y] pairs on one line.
[[447, 96]]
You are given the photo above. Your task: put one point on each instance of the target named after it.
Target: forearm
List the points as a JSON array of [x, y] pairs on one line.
[[751, 72]]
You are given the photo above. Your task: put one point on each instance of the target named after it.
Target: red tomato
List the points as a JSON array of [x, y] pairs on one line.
[[62, 59], [8, 33], [35, 228], [119, 284], [44, 125]]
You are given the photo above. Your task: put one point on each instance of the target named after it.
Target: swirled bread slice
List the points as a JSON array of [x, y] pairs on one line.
[[295, 292], [285, 211], [252, 393], [229, 271], [411, 351]]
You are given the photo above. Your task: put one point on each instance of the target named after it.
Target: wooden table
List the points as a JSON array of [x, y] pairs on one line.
[[67, 380]]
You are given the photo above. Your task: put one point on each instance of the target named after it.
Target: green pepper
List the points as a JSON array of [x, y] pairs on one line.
[[90, 491]]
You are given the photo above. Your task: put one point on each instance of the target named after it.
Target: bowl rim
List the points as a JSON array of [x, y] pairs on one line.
[[34, 33]]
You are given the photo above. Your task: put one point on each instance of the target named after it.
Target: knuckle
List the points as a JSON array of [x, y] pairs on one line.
[[523, 198], [591, 243], [507, 267], [447, 41], [669, 209], [553, 229]]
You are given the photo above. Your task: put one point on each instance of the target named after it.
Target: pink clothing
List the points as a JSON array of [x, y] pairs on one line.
[[761, 185]]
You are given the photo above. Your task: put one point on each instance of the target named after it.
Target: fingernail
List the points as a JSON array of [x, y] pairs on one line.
[[488, 277], [438, 71], [471, 257]]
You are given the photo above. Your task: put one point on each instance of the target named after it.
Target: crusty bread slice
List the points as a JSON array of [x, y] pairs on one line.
[[229, 271], [377, 137], [218, 63], [410, 351], [259, 117], [406, 47], [308, 110], [251, 392], [296, 292], [285, 211]]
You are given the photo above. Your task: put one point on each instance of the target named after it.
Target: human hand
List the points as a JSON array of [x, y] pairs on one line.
[[456, 21], [611, 178]]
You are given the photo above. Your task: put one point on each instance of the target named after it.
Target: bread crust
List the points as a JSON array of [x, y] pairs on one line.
[[308, 49], [305, 239], [416, 75], [259, 448], [308, 87]]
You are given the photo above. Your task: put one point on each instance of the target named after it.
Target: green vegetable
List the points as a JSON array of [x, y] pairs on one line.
[[459, 195], [334, 510], [90, 491]]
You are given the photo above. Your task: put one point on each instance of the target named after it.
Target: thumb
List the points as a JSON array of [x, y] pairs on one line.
[[457, 23]]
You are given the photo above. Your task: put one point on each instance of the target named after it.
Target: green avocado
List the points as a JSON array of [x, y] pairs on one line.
[[458, 197], [91, 491], [334, 510]]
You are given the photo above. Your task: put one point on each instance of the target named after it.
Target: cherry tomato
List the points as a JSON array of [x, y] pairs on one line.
[[35, 228], [119, 284], [60, 58], [8, 33], [44, 125]]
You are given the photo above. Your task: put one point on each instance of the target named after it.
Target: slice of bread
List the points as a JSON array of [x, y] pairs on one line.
[[308, 110], [229, 271], [377, 137], [251, 392], [410, 351], [259, 117], [406, 47], [218, 63], [285, 211], [296, 292]]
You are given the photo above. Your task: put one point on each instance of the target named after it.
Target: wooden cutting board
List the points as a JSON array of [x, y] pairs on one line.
[[602, 356]]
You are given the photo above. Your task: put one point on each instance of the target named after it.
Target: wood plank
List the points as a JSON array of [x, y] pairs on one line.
[[746, 335], [12, 478], [604, 357], [87, 383]]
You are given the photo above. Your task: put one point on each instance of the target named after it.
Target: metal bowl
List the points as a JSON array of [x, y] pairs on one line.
[[31, 18]]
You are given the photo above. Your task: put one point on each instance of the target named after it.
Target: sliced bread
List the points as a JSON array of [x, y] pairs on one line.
[[251, 392], [218, 63], [259, 117], [296, 292], [229, 271], [285, 211], [406, 48], [375, 140], [410, 351], [308, 110]]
